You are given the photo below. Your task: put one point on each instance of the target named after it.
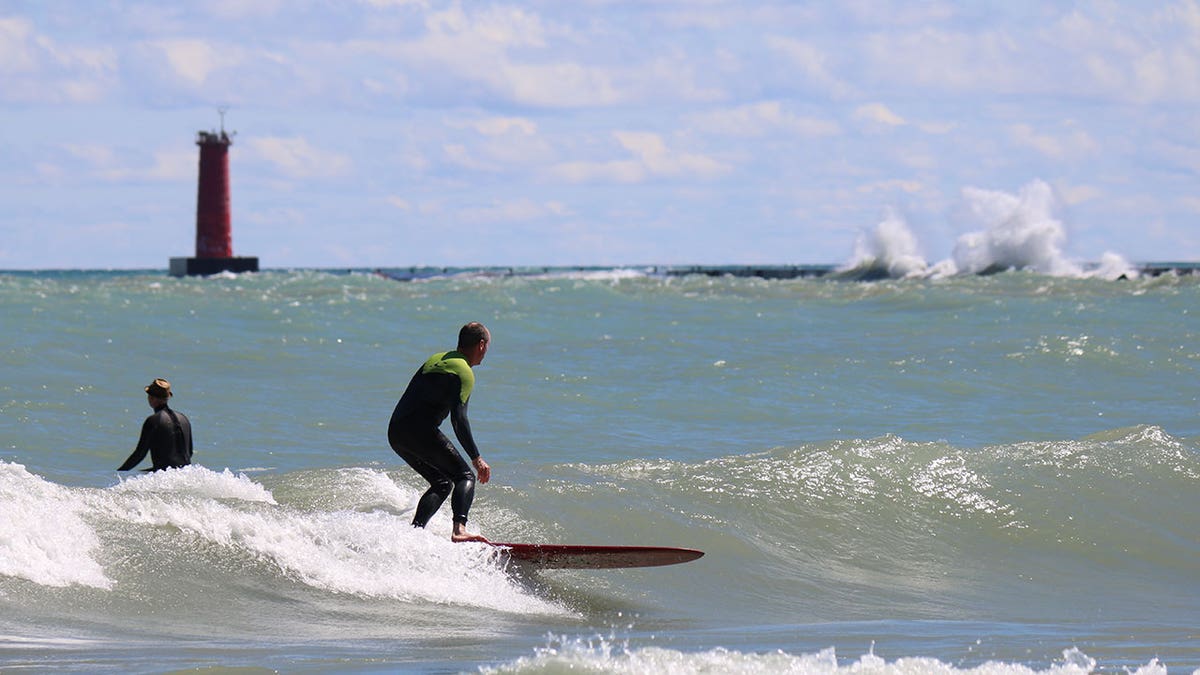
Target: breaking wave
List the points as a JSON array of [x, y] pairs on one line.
[[1014, 232]]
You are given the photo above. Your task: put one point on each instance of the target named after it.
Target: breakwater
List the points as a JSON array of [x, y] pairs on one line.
[[863, 273]]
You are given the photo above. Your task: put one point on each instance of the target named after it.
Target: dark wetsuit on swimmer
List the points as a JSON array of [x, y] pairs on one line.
[[441, 386], [167, 436]]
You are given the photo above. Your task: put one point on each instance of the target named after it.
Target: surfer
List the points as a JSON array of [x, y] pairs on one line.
[[442, 386], [166, 435]]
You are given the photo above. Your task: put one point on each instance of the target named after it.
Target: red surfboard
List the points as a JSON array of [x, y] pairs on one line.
[[584, 557]]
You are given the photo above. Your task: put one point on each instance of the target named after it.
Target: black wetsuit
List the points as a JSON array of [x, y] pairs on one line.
[[441, 386], [167, 436]]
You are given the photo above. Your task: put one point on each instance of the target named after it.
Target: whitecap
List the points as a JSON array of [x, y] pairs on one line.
[[44, 537]]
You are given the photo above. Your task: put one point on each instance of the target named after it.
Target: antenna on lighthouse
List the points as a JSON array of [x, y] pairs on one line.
[[221, 111]]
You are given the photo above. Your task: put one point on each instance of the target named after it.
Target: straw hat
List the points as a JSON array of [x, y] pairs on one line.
[[159, 388]]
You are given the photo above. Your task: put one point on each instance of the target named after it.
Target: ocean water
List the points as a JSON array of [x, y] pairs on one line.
[[985, 474]]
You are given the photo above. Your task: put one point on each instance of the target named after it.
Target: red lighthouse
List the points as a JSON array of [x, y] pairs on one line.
[[214, 229]]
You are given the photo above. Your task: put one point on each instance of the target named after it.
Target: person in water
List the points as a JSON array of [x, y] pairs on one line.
[[442, 386], [166, 435]]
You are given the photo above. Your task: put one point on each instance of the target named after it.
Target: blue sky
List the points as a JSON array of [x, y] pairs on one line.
[[593, 132]]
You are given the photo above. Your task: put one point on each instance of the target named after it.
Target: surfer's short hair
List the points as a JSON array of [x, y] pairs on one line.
[[472, 334]]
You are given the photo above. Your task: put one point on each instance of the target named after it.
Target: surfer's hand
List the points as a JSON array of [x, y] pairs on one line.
[[482, 468]]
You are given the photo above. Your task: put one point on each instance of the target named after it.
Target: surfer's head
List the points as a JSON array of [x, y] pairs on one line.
[[473, 341]]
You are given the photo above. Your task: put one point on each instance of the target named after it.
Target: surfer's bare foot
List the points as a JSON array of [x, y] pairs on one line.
[[461, 534]]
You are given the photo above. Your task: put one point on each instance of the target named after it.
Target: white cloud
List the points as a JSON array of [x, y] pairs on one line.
[[169, 165], [894, 185], [398, 3], [297, 158], [651, 159], [519, 56], [106, 163], [1072, 195], [49, 172], [514, 210], [617, 171], [565, 83], [399, 202], [502, 143], [474, 46], [1074, 144], [173, 165], [458, 154], [1174, 155], [496, 126], [1132, 54], [16, 48], [95, 154], [1192, 204], [194, 60], [22, 49], [241, 9], [937, 128], [878, 115], [764, 118], [947, 58], [495, 25], [652, 151], [36, 68], [812, 63]]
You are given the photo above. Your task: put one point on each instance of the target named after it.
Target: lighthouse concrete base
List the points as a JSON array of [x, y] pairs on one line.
[[181, 267]]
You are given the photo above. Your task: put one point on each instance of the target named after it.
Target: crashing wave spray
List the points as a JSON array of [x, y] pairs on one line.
[[891, 251], [1018, 232]]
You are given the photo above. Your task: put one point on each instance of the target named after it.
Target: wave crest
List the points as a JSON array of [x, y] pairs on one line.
[[44, 535]]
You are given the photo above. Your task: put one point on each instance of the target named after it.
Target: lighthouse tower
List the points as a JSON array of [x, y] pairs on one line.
[[214, 229]]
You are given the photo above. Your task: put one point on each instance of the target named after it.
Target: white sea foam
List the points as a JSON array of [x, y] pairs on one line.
[[27, 642], [604, 655], [197, 481], [1112, 266], [376, 554], [612, 274], [372, 488], [43, 535]]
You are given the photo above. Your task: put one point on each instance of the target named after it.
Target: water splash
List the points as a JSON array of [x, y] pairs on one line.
[[58, 550], [1016, 231], [890, 251], [197, 481], [1019, 232], [99, 538], [608, 655]]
